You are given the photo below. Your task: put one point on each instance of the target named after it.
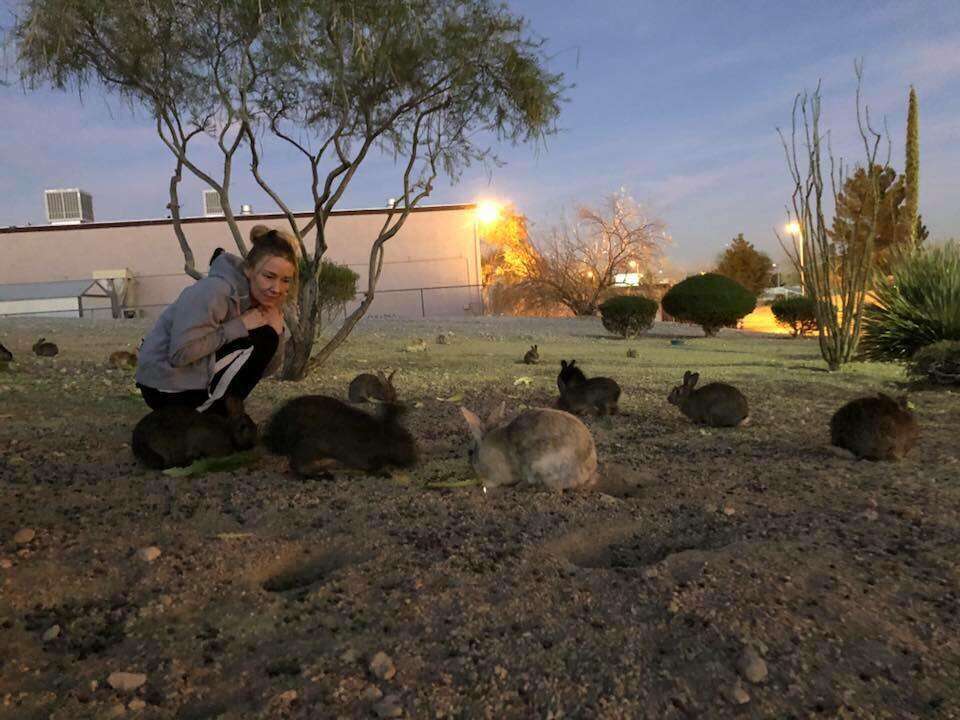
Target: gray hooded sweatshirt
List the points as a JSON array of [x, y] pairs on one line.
[[180, 351]]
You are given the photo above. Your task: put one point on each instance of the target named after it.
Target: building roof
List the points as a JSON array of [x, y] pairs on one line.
[[220, 218], [47, 290]]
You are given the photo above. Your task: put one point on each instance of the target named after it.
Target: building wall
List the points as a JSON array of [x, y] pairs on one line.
[[436, 248]]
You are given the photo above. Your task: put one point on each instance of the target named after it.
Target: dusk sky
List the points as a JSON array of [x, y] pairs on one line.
[[678, 103]]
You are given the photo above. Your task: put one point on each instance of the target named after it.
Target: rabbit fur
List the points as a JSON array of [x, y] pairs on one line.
[[539, 447], [313, 430], [579, 394], [716, 404], [42, 348], [875, 428], [176, 436], [366, 387]]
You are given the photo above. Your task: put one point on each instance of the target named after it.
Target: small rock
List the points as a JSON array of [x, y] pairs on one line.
[[24, 536], [285, 698], [126, 682], [52, 633], [148, 554], [751, 666], [871, 514], [116, 711], [389, 707], [729, 510], [674, 607], [382, 666], [136, 704], [737, 695], [500, 672], [166, 600], [6, 563], [348, 656], [371, 694]]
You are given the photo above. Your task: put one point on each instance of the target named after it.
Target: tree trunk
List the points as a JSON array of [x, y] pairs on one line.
[[304, 332]]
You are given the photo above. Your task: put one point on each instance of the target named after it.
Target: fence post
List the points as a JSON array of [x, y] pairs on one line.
[[423, 309]]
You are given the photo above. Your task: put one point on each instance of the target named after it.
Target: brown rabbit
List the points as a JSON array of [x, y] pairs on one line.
[[5, 355], [42, 348], [314, 431], [123, 359], [540, 447], [366, 387], [441, 339], [875, 428], [531, 357], [176, 436], [578, 394], [716, 404]]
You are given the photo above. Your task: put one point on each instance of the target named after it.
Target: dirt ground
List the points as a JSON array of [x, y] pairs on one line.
[[747, 573]]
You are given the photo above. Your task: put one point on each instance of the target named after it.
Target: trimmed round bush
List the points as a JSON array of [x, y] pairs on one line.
[[939, 363], [711, 301], [797, 312], [916, 306], [628, 315]]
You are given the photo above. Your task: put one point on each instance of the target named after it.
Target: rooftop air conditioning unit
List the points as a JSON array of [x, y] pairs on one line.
[[68, 207], [211, 204]]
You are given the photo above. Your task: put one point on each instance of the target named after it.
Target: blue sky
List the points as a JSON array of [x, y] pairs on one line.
[[678, 103]]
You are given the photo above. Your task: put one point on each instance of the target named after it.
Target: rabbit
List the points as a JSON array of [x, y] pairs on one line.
[[441, 339], [539, 447], [531, 357], [366, 387], [45, 349], [176, 436], [569, 375], [578, 394], [313, 430], [716, 404], [875, 428], [5, 355], [123, 359]]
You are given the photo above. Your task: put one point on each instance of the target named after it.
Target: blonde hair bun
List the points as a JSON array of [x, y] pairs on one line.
[[258, 232]]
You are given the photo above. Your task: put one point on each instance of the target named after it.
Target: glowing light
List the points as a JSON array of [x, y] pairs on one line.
[[793, 228], [632, 263], [488, 211]]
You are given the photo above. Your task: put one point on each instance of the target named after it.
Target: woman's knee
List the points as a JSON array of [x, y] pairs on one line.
[[264, 340]]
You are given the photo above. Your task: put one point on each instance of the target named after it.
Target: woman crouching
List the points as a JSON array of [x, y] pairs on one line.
[[224, 333]]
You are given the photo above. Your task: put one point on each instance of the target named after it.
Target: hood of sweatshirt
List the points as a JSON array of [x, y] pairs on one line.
[[229, 267]]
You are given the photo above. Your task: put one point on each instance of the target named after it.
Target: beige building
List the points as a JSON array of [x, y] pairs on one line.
[[431, 267]]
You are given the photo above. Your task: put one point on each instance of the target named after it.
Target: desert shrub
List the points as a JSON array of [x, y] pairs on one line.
[[917, 305], [337, 285], [628, 315], [798, 312], [711, 301], [938, 363]]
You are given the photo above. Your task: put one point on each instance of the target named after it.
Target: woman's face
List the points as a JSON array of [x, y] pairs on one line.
[[270, 281]]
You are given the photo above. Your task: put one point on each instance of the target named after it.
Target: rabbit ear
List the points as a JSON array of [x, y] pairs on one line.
[[474, 423], [390, 377], [690, 379], [496, 416], [563, 364]]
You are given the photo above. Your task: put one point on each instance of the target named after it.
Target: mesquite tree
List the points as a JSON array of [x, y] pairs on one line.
[[835, 277], [576, 264], [421, 80]]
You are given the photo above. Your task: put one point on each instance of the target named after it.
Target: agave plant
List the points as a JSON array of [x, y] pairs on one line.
[[917, 305]]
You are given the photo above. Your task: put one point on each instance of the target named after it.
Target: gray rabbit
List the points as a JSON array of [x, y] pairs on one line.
[[42, 348], [532, 356], [539, 447], [366, 387], [315, 430], [875, 428], [579, 394], [716, 404], [176, 436]]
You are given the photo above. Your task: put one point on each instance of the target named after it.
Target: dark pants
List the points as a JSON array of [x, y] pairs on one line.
[[240, 366]]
